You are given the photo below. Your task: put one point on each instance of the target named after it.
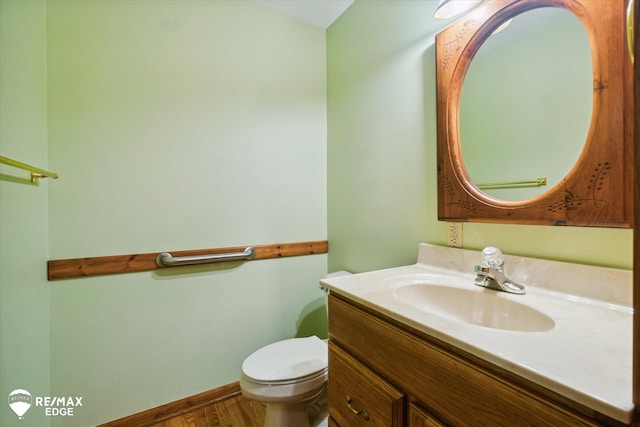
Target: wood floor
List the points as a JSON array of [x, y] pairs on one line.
[[232, 412], [221, 407]]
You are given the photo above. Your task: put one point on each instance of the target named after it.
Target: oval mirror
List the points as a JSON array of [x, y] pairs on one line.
[[580, 140], [526, 104]]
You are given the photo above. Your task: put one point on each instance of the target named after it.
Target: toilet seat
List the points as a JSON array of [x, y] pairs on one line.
[[288, 361]]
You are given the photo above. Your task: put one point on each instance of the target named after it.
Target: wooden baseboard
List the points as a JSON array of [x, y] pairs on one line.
[[173, 409]]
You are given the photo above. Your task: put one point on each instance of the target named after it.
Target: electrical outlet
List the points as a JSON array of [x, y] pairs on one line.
[[454, 234]]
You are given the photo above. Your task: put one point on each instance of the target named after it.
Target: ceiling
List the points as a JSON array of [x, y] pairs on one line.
[[321, 13]]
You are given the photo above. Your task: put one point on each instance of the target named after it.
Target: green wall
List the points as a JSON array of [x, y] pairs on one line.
[[24, 291], [174, 125], [382, 152], [180, 125]]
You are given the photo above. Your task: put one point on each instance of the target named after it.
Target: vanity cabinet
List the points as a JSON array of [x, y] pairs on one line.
[[400, 376]]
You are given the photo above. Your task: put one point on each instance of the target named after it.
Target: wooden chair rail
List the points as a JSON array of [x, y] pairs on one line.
[[95, 266]]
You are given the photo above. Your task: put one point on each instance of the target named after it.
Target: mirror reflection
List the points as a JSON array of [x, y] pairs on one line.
[[526, 104]]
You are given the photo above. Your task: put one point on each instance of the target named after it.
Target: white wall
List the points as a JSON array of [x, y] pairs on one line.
[[24, 291], [180, 125]]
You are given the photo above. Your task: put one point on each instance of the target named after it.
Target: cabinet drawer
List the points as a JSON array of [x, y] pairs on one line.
[[359, 397]]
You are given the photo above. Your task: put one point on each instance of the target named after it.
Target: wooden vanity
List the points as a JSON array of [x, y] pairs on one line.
[[385, 373]]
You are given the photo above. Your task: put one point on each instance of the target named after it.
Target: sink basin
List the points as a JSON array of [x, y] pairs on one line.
[[478, 307]]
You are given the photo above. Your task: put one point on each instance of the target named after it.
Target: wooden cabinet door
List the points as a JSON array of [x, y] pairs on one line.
[[358, 396]]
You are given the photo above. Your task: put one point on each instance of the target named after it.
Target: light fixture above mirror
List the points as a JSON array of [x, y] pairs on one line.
[[448, 9]]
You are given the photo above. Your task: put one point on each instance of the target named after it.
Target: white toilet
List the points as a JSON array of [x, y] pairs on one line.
[[290, 377]]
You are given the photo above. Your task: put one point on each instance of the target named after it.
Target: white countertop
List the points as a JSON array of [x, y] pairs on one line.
[[586, 356]]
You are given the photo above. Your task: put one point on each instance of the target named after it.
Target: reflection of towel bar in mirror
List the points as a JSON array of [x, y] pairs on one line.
[[36, 173], [538, 182]]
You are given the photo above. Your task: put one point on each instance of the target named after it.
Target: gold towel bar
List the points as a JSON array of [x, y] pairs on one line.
[[538, 182], [36, 173]]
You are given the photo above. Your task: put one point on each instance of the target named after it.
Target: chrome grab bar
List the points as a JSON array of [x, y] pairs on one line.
[[166, 260]]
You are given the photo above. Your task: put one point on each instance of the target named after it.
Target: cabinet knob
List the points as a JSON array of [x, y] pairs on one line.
[[355, 411]]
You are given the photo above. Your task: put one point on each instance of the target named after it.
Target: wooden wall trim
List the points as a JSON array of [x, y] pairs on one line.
[[161, 413], [83, 267], [636, 230]]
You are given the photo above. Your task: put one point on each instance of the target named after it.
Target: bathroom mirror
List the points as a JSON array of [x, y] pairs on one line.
[[491, 136], [528, 103]]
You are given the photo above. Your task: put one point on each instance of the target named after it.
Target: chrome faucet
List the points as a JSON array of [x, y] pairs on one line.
[[491, 274]]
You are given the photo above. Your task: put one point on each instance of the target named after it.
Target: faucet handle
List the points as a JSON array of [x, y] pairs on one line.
[[492, 257]]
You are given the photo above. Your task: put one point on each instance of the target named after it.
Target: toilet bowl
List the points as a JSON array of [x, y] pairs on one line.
[[290, 377]]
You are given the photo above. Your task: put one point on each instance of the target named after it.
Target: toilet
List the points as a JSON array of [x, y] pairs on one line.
[[290, 377]]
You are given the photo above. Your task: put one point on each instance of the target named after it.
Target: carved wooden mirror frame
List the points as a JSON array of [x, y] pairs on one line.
[[598, 190]]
